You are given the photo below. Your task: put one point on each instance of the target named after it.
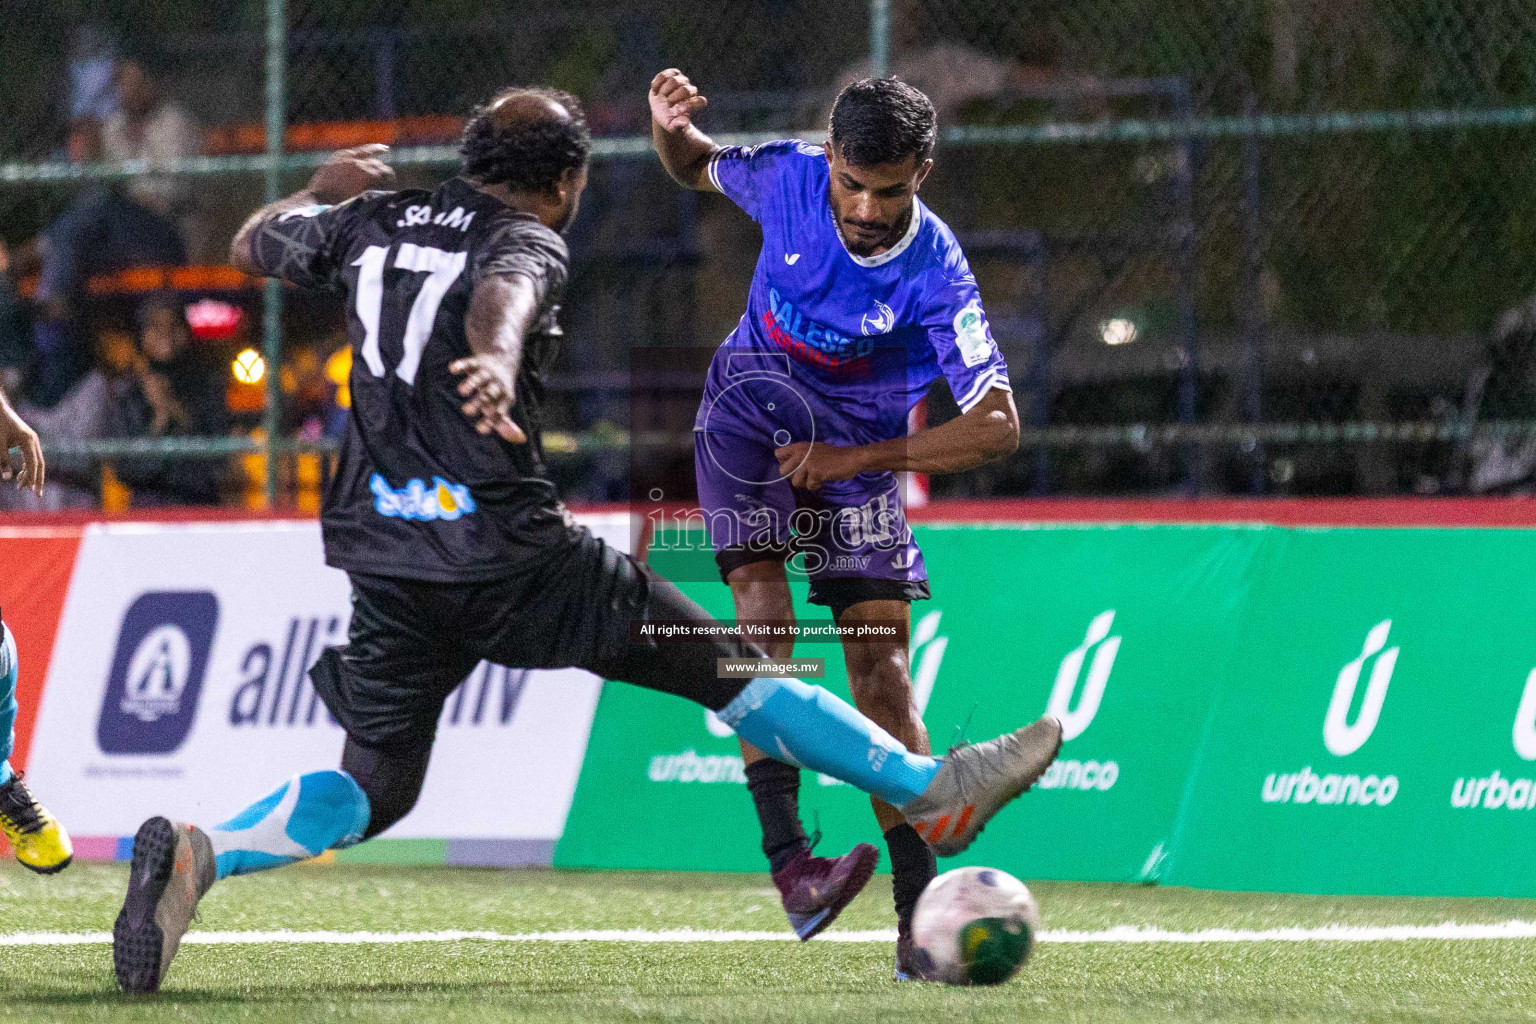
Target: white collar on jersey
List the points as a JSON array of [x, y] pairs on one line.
[[889, 254]]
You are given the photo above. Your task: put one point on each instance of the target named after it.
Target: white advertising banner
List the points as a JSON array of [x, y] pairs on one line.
[[179, 686]]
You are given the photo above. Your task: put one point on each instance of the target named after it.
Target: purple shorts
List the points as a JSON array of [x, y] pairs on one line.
[[850, 538]]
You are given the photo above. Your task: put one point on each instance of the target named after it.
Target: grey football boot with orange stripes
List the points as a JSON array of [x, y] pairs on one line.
[[173, 867], [976, 780]]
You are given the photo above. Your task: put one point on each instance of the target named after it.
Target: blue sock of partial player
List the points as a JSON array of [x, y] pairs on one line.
[[10, 666], [808, 726], [302, 818]]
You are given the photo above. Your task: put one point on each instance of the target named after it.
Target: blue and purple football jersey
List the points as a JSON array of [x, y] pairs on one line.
[[834, 348]]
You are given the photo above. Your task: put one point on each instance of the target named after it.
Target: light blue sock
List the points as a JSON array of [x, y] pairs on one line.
[[10, 667], [809, 726], [302, 818]]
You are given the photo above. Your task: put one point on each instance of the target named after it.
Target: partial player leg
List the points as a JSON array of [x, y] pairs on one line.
[[879, 676], [948, 802], [814, 890], [38, 840], [386, 689], [175, 864]]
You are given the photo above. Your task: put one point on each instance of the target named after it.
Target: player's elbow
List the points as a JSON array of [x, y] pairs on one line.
[[1002, 435], [240, 254]]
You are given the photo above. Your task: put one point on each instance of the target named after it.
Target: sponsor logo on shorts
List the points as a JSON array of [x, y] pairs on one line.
[[419, 502], [157, 672]]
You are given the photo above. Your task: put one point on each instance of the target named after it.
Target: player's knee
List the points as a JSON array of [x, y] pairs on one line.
[[879, 680]]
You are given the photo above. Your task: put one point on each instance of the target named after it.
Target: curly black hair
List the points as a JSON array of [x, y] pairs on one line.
[[879, 121], [528, 154]]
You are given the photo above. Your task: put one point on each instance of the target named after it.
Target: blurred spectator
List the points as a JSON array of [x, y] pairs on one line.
[[170, 390], [151, 126], [92, 62], [108, 228], [14, 348]]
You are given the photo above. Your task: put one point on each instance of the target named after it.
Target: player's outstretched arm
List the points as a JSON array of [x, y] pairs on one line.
[[684, 150], [989, 431], [14, 433], [501, 310], [348, 173]]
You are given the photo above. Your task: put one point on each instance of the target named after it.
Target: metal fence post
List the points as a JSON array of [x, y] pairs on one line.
[[272, 297], [879, 38]]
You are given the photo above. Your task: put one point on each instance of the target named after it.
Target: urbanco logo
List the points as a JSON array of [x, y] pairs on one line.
[[1098, 650], [1525, 720], [1343, 737], [1340, 736], [1075, 720]]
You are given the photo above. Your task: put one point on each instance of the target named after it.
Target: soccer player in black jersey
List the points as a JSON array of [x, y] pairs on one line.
[[443, 515]]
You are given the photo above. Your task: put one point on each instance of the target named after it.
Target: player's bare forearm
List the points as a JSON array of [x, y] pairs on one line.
[[989, 431], [684, 150], [501, 311], [347, 173]]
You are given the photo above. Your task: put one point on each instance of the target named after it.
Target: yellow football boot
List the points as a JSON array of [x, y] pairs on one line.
[[39, 841]]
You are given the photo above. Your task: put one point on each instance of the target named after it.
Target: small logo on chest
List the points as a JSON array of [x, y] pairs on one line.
[[880, 320]]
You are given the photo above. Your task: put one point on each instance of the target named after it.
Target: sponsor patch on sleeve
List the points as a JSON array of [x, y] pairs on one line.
[[971, 335]]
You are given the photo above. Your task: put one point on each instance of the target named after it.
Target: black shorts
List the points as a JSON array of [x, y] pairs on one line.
[[412, 642]]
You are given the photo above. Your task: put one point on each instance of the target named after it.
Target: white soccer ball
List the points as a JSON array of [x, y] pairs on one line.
[[974, 926]]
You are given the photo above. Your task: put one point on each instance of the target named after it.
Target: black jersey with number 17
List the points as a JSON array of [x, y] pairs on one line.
[[418, 493]]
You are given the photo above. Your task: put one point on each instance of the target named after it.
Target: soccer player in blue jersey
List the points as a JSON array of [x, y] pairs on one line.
[[37, 839], [861, 299]]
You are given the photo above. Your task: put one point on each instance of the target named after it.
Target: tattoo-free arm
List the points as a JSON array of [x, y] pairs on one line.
[[14, 432], [684, 150], [989, 431], [501, 311]]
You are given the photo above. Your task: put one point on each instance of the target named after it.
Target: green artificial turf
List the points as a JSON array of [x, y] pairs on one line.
[[1430, 980]]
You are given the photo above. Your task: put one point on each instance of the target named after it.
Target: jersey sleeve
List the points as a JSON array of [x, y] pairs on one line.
[[744, 174], [520, 245], [962, 342], [306, 246]]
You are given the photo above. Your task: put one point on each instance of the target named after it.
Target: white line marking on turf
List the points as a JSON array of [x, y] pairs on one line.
[[1122, 934]]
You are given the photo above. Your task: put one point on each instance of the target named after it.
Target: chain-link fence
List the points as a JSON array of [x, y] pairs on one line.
[[1254, 247]]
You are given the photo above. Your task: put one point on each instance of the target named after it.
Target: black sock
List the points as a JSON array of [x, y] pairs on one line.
[[775, 789], [912, 868]]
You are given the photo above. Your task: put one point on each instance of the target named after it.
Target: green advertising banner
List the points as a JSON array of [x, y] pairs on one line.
[[1304, 710], [1374, 729], [1100, 625]]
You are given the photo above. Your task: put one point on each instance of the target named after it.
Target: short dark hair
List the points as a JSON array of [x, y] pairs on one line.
[[527, 154], [883, 121]]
